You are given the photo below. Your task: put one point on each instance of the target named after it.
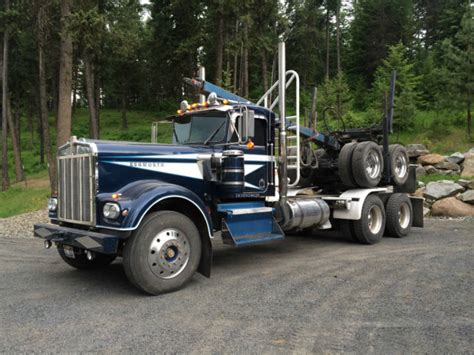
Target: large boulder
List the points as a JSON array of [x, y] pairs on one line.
[[468, 166], [447, 165], [468, 197], [451, 207], [430, 159], [439, 189], [430, 170], [456, 158], [467, 184], [415, 150], [420, 171]]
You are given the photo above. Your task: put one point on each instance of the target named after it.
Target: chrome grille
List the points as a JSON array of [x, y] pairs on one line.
[[76, 189]]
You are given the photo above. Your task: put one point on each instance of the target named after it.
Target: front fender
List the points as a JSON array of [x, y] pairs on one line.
[[139, 197]]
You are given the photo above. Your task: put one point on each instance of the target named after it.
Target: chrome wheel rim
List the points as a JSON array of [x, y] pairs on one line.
[[168, 254], [401, 166], [373, 167], [375, 218], [404, 215]]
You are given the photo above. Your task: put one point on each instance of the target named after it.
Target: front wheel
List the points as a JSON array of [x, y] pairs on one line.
[[163, 253], [80, 261]]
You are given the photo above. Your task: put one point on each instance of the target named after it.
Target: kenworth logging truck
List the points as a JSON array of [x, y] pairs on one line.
[[234, 167]]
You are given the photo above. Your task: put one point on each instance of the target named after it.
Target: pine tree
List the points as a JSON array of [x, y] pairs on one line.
[[406, 93]]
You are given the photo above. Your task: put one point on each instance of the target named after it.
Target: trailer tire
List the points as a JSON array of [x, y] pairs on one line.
[[345, 165], [369, 229], [399, 212], [367, 164], [398, 163], [163, 254], [81, 262]]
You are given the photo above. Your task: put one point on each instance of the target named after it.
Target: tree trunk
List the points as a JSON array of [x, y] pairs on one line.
[[20, 176], [65, 78], [469, 119], [245, 76], [264, 70], [44, 105], [97, 101], [90, 88], [40, 133], [124, 105], [5, 177], [236, 60], [327, 40], [31, 128], [219, 44], [338, 36]]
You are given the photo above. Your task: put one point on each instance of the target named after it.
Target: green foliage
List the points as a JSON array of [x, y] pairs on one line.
[[406, 93], [18, 200], [436, 177]]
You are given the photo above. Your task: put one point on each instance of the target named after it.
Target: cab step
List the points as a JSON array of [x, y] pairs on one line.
[[248, 223]]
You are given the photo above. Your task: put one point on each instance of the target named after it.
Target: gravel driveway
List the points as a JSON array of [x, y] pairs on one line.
[[318, 293]]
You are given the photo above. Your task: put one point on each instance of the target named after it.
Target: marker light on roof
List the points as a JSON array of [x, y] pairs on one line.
[[184, 105], [212, 98]]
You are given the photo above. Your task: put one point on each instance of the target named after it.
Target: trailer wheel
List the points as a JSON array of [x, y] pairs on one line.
[[370, 228], [345, 165], [163, 253], [81, 262], [399, 163], [399, 215], [367, 164]]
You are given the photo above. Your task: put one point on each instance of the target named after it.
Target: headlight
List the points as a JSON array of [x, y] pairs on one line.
[[111, 210], [52, 204]]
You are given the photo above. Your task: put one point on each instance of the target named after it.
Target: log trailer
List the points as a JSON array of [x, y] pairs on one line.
[[235, 167]]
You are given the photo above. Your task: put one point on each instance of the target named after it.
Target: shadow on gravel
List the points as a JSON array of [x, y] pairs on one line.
[[113, 282]]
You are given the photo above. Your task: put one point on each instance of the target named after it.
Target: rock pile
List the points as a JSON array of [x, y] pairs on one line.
[[432, 163], [445, 197], [448, 198]]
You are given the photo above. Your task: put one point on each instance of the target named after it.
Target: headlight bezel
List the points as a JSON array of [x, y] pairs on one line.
[[111, 210], [52, 204]]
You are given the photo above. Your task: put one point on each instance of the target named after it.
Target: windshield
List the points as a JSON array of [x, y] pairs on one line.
[[200, 128]]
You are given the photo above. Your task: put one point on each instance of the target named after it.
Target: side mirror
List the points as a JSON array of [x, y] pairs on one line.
[[247, 125]]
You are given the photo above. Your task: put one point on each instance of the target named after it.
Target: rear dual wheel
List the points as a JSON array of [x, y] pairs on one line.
[[399, 215], [360, 164]]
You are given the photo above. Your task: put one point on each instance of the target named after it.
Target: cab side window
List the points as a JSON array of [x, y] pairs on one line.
[[260, 137]]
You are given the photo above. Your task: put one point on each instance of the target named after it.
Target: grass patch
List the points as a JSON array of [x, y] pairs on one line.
[[19, 200], [436, 177]]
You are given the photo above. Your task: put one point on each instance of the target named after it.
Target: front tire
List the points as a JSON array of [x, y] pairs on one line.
[[81, 262], [163, 253], [399, 215], [370, 227]]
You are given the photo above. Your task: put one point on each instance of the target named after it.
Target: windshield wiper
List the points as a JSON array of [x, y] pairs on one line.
[[213, 134]]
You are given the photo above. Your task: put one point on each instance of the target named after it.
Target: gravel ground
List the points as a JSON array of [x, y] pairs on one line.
[[22, 225], [316, 293]]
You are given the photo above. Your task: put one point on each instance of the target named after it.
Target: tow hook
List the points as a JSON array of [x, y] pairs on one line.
[[90, 255], [47, 244]]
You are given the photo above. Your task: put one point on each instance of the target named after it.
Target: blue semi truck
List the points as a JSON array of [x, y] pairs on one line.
[[245, 170]]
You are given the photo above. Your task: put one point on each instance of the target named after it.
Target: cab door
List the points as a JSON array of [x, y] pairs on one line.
[[258, 161]]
